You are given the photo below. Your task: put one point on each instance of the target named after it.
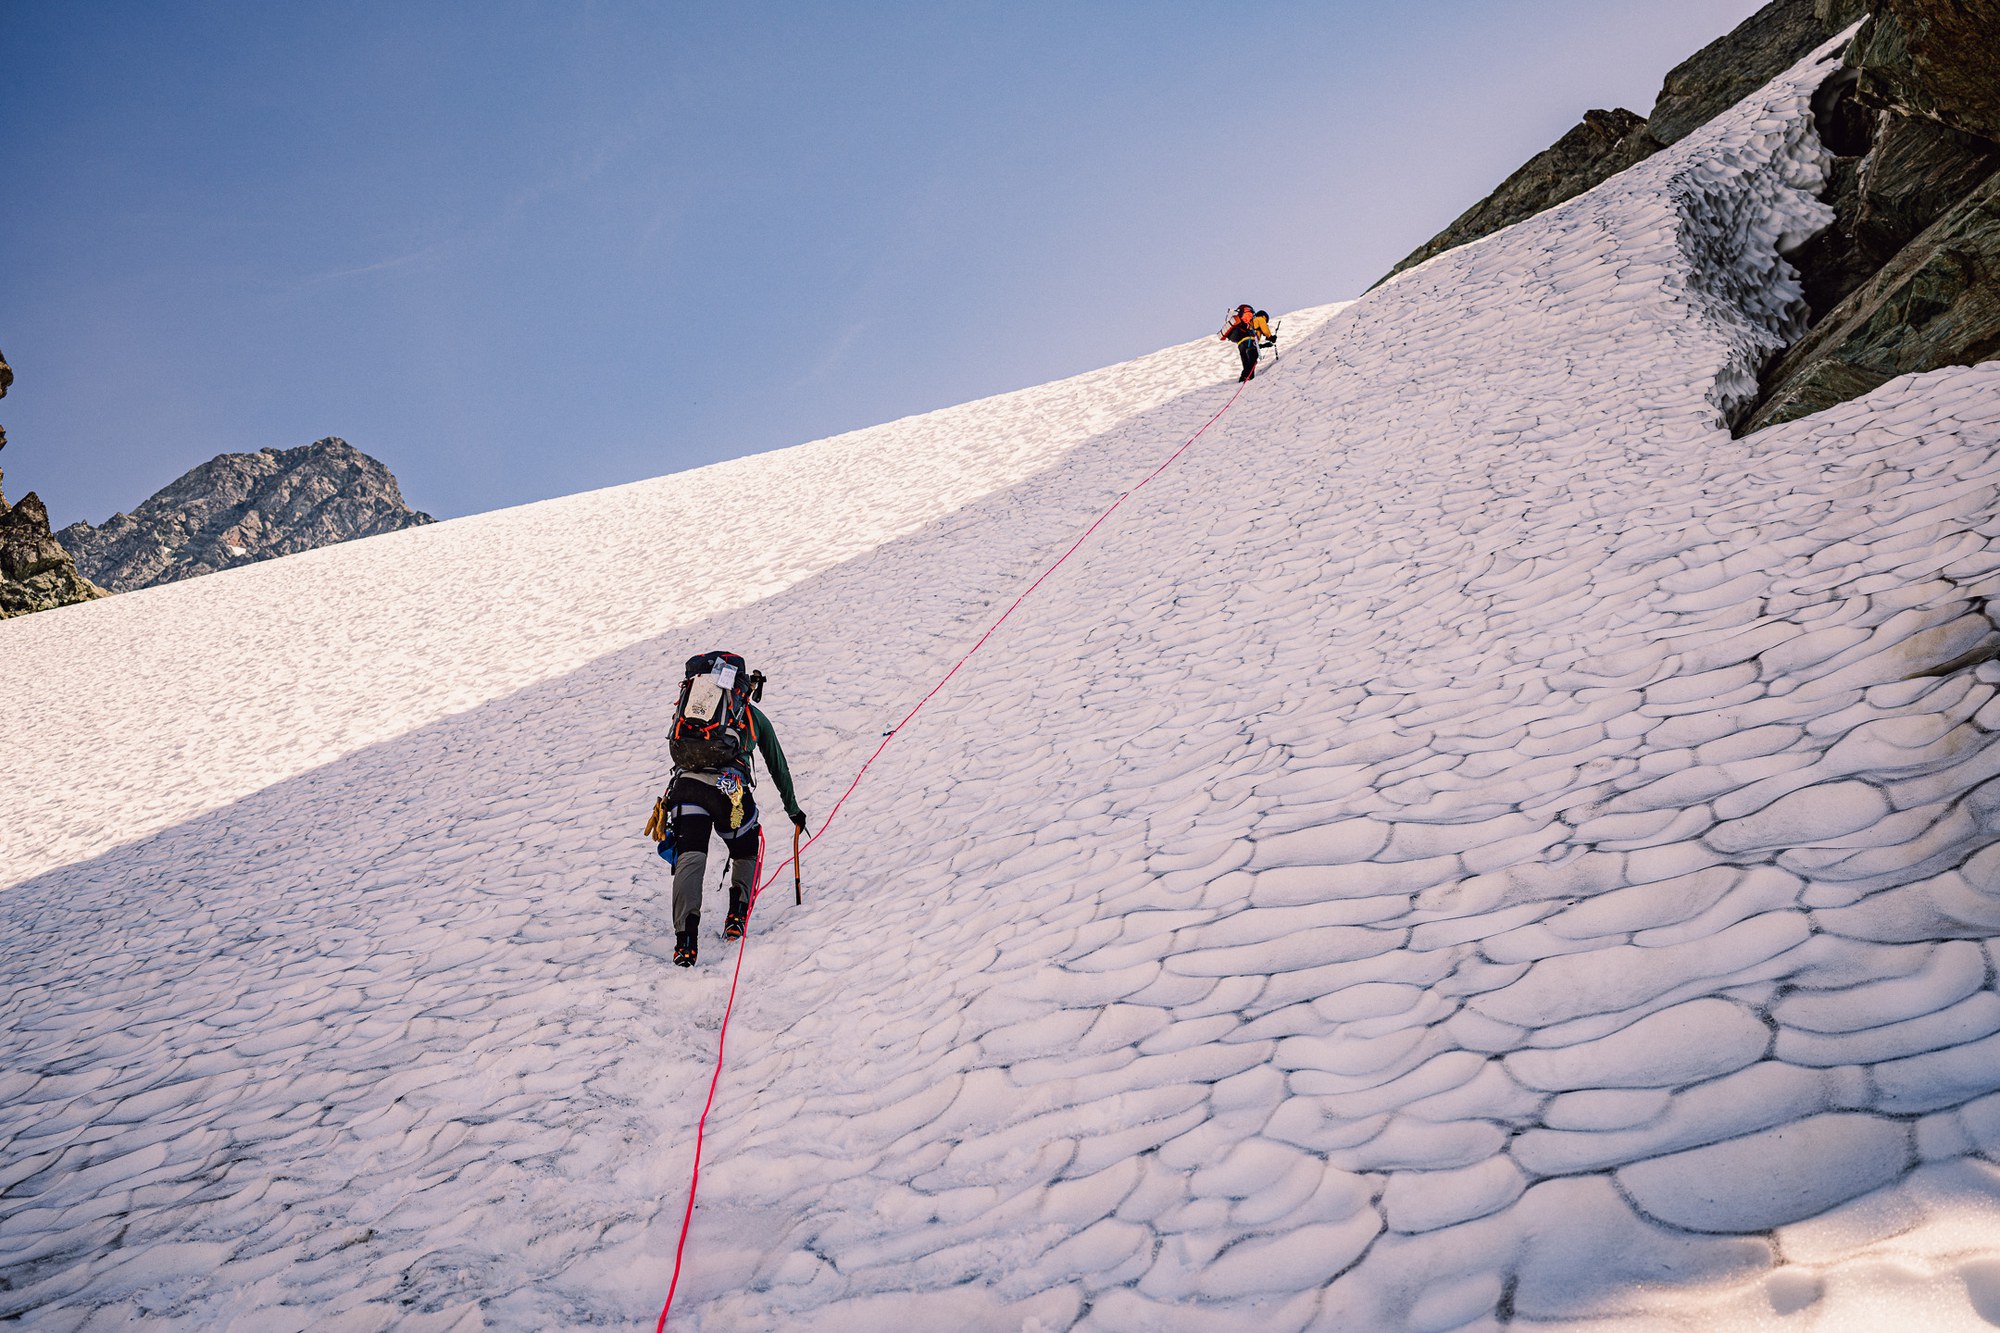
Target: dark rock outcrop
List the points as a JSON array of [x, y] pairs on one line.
[[1697, 90], [238, 509], [1936, 303], [1917, 170], [1933, 58], [36, 574], [1908, 276]]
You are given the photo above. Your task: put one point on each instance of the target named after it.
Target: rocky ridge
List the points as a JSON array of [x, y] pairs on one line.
[[237, 509], [1907, 277], [1694, 92]]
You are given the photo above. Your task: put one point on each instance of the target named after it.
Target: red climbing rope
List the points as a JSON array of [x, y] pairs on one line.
[[761, 882]]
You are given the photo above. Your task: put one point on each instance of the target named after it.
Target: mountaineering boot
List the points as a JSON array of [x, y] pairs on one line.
[[685, 948], [742, 878]]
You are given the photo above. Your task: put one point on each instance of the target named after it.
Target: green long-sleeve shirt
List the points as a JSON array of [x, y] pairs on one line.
[[774, 759]]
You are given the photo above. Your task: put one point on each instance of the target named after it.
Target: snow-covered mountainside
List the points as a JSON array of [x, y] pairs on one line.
[[219, 691], [1473, 844]]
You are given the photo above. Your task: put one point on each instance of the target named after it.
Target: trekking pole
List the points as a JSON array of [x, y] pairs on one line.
[[1274, 340], [798, 885]]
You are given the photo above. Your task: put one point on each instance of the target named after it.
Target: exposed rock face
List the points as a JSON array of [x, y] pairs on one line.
[[1905, 174], [1908, 276], [1934, 58], [1893, 175], [1937, 303], [36, 574], [241, 508], [1697, 90], [1918, 169], [1605, 144]]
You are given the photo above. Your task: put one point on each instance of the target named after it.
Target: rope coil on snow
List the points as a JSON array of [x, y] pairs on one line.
[[762, 882]]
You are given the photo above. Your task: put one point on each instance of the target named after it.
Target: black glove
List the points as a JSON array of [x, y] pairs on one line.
[[799, 819]]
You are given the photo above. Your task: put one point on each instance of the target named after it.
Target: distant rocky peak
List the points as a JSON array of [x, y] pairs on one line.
[[237, 509]]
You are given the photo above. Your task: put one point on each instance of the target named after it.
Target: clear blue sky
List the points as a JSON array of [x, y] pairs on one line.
[[521, 249]]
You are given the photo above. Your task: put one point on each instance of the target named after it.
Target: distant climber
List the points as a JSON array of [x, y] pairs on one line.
[[1246, 327], [716, 726]]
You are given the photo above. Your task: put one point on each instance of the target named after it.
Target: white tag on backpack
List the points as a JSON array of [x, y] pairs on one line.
[[704, 700], [725, 675]]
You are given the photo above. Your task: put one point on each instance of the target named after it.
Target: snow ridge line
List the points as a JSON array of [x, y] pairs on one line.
[[764, 881]]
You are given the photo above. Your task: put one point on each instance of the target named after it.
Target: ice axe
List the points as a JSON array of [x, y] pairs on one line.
[[798, 885]]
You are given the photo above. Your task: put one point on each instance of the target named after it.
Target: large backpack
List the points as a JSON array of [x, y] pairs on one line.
[[712, 729]]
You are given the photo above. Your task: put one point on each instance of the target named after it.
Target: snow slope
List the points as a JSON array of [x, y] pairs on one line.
[[1473, 844], [282, 666]]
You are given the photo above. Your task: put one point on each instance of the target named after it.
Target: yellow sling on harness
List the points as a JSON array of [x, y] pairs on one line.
[[730, 785]]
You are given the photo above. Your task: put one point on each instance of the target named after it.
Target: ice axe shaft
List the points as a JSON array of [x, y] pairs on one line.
[[798, 884]]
